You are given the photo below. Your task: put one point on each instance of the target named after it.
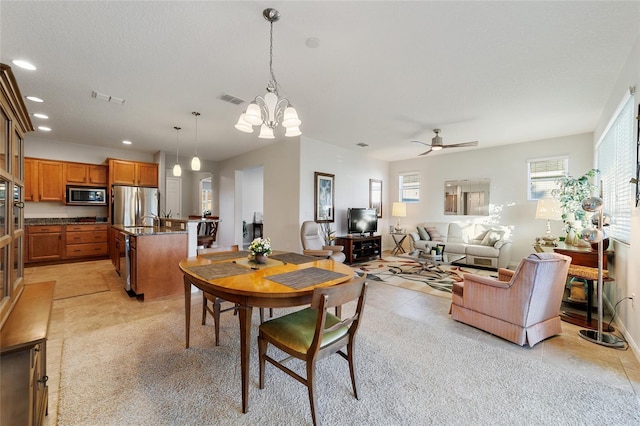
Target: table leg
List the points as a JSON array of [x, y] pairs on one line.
[[244, 316], [187, 309], [589, 287]]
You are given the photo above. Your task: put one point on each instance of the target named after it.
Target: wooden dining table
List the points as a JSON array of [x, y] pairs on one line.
[[285, 280]]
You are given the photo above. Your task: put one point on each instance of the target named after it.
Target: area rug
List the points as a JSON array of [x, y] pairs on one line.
[[81, 285], [410, 373], [406, 273]]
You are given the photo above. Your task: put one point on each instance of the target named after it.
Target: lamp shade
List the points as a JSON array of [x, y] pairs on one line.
[[549, 209], [399, 209]]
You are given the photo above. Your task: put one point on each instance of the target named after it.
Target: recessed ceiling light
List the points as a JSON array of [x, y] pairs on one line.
[[24, 64], [44, 116], [126, 142], [44, 128], [34, 99]]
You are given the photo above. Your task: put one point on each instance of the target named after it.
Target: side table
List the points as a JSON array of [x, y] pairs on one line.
[[398, 239]]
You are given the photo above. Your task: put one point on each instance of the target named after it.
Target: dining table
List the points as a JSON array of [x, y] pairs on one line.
[[286, 280]]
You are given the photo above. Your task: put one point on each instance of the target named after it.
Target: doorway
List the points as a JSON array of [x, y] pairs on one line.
[[173, 200]]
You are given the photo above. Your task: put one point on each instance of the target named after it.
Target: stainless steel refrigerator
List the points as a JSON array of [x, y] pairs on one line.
[[131, 203]]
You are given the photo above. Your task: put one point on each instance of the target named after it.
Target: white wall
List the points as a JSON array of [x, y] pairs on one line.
[[252, 197], [352, 170], [506, 168], [625, 266]]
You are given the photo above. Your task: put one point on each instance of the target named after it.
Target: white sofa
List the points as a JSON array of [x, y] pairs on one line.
[[483, 245]]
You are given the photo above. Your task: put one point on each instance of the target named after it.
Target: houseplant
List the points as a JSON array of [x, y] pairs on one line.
[[259, 249], [570, 193]]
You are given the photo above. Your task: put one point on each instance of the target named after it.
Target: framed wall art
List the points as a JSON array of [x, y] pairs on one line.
[[324, 202], [375, 196]]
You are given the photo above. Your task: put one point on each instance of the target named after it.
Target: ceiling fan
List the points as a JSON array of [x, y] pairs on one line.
[[436, 143]]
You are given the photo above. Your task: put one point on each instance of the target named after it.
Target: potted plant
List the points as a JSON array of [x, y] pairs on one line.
[[570, 193]]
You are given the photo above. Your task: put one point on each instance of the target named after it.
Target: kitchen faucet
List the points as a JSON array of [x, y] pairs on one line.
[[153, 217]]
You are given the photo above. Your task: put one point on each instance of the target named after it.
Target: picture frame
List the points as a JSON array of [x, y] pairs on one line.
[[324, 189], [375, 196]]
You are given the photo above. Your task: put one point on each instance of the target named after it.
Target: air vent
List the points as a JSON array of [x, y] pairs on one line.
[[362, 144], [231, 99]]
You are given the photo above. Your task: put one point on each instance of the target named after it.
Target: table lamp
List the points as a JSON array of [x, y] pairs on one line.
[[399, 210], [550, 209]]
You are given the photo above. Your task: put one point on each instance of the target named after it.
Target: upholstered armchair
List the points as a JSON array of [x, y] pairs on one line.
[[522, 306], [313, 243]]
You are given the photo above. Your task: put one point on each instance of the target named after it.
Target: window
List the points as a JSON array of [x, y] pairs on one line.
[[206, 204], [542, 174], [410, 187], [615, 160]]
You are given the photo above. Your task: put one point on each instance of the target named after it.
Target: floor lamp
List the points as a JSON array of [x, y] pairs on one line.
[[596, 235]]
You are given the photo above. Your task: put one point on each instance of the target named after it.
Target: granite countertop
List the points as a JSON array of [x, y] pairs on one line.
[[65, 221], [148, 230]]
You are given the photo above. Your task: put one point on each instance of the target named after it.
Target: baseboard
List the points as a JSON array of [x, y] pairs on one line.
[[621, 327]]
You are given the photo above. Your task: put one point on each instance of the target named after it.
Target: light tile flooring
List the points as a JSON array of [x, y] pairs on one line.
[[77, 315]]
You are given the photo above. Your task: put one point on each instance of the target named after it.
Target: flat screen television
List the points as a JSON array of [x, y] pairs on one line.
[[362, 221]]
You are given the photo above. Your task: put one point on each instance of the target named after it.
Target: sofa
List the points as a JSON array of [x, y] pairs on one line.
[[484, 245]]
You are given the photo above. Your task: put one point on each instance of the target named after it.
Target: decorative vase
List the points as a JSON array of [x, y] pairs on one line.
[[571, 237], [260, 258]]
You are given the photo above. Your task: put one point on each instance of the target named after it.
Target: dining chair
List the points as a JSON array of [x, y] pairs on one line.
[[313, 333], [216, 303], [313, 244]]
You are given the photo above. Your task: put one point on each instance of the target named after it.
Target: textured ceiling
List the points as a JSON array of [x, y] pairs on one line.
[[385, 73]]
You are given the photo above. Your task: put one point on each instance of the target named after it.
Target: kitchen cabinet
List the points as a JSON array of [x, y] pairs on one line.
[[85, 174], [44, 243], [86, 240], [43, 180], [133, 266], [123, 172], [23, 356]]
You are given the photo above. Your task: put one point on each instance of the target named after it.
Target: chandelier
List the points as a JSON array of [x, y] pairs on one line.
[[270, 110]]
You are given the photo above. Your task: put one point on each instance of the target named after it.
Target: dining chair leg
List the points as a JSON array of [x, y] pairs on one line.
[[216, 319], [204, 310], [352, 368], [262, 350], [311, 368]]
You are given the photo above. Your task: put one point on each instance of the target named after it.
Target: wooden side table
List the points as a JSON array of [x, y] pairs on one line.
[[398, 239]]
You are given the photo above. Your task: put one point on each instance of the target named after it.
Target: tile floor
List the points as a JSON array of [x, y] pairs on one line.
[[82, 314]]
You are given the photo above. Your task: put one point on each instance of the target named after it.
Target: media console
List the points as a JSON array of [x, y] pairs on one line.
[[361, 249]]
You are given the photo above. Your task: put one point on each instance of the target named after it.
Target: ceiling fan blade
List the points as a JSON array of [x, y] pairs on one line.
[[426, 152], [458, 145], [422, 143]]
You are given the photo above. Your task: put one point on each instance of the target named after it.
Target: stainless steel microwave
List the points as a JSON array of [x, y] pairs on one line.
[[85, 196]]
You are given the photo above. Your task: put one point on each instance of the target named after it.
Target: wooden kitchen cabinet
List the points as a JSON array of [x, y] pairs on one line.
[[23, 357], [86, 240], [44, 243], [85, 174], [123, 172], [43, 180]]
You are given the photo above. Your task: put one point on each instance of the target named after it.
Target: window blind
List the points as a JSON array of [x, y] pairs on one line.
[[410, 187], [615, 160], [543, 174]]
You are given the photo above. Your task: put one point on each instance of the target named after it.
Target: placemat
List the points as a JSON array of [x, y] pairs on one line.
[[305, 277], [226, 255], [219, 270], [294, 258]]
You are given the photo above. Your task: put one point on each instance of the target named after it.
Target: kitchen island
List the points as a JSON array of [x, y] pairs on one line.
[[147, 259]]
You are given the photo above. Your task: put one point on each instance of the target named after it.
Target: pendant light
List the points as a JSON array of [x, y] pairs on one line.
[[177, 170], [271, 110], [195, 161]]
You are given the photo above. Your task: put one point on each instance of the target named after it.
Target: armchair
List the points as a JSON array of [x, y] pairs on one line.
[[313, 244], [522, 306]]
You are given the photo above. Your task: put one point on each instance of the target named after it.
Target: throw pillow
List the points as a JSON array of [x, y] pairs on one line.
[[492, 236], [434, 234], [423, 233]]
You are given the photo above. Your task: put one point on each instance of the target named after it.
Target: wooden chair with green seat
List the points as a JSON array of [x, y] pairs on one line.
[[216, 309], [313, 333]]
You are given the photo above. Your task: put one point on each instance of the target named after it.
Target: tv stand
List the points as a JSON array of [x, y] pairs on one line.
[[361, 248]]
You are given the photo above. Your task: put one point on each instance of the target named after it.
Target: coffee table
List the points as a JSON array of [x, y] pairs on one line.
[[433, 263]]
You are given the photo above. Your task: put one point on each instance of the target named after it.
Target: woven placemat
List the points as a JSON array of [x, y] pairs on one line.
[[226, 255], [294, 258], [219, 270], [305, 277]]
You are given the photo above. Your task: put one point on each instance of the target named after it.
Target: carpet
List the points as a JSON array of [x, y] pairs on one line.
[[409, 374], [81, 285], [409, 274]]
